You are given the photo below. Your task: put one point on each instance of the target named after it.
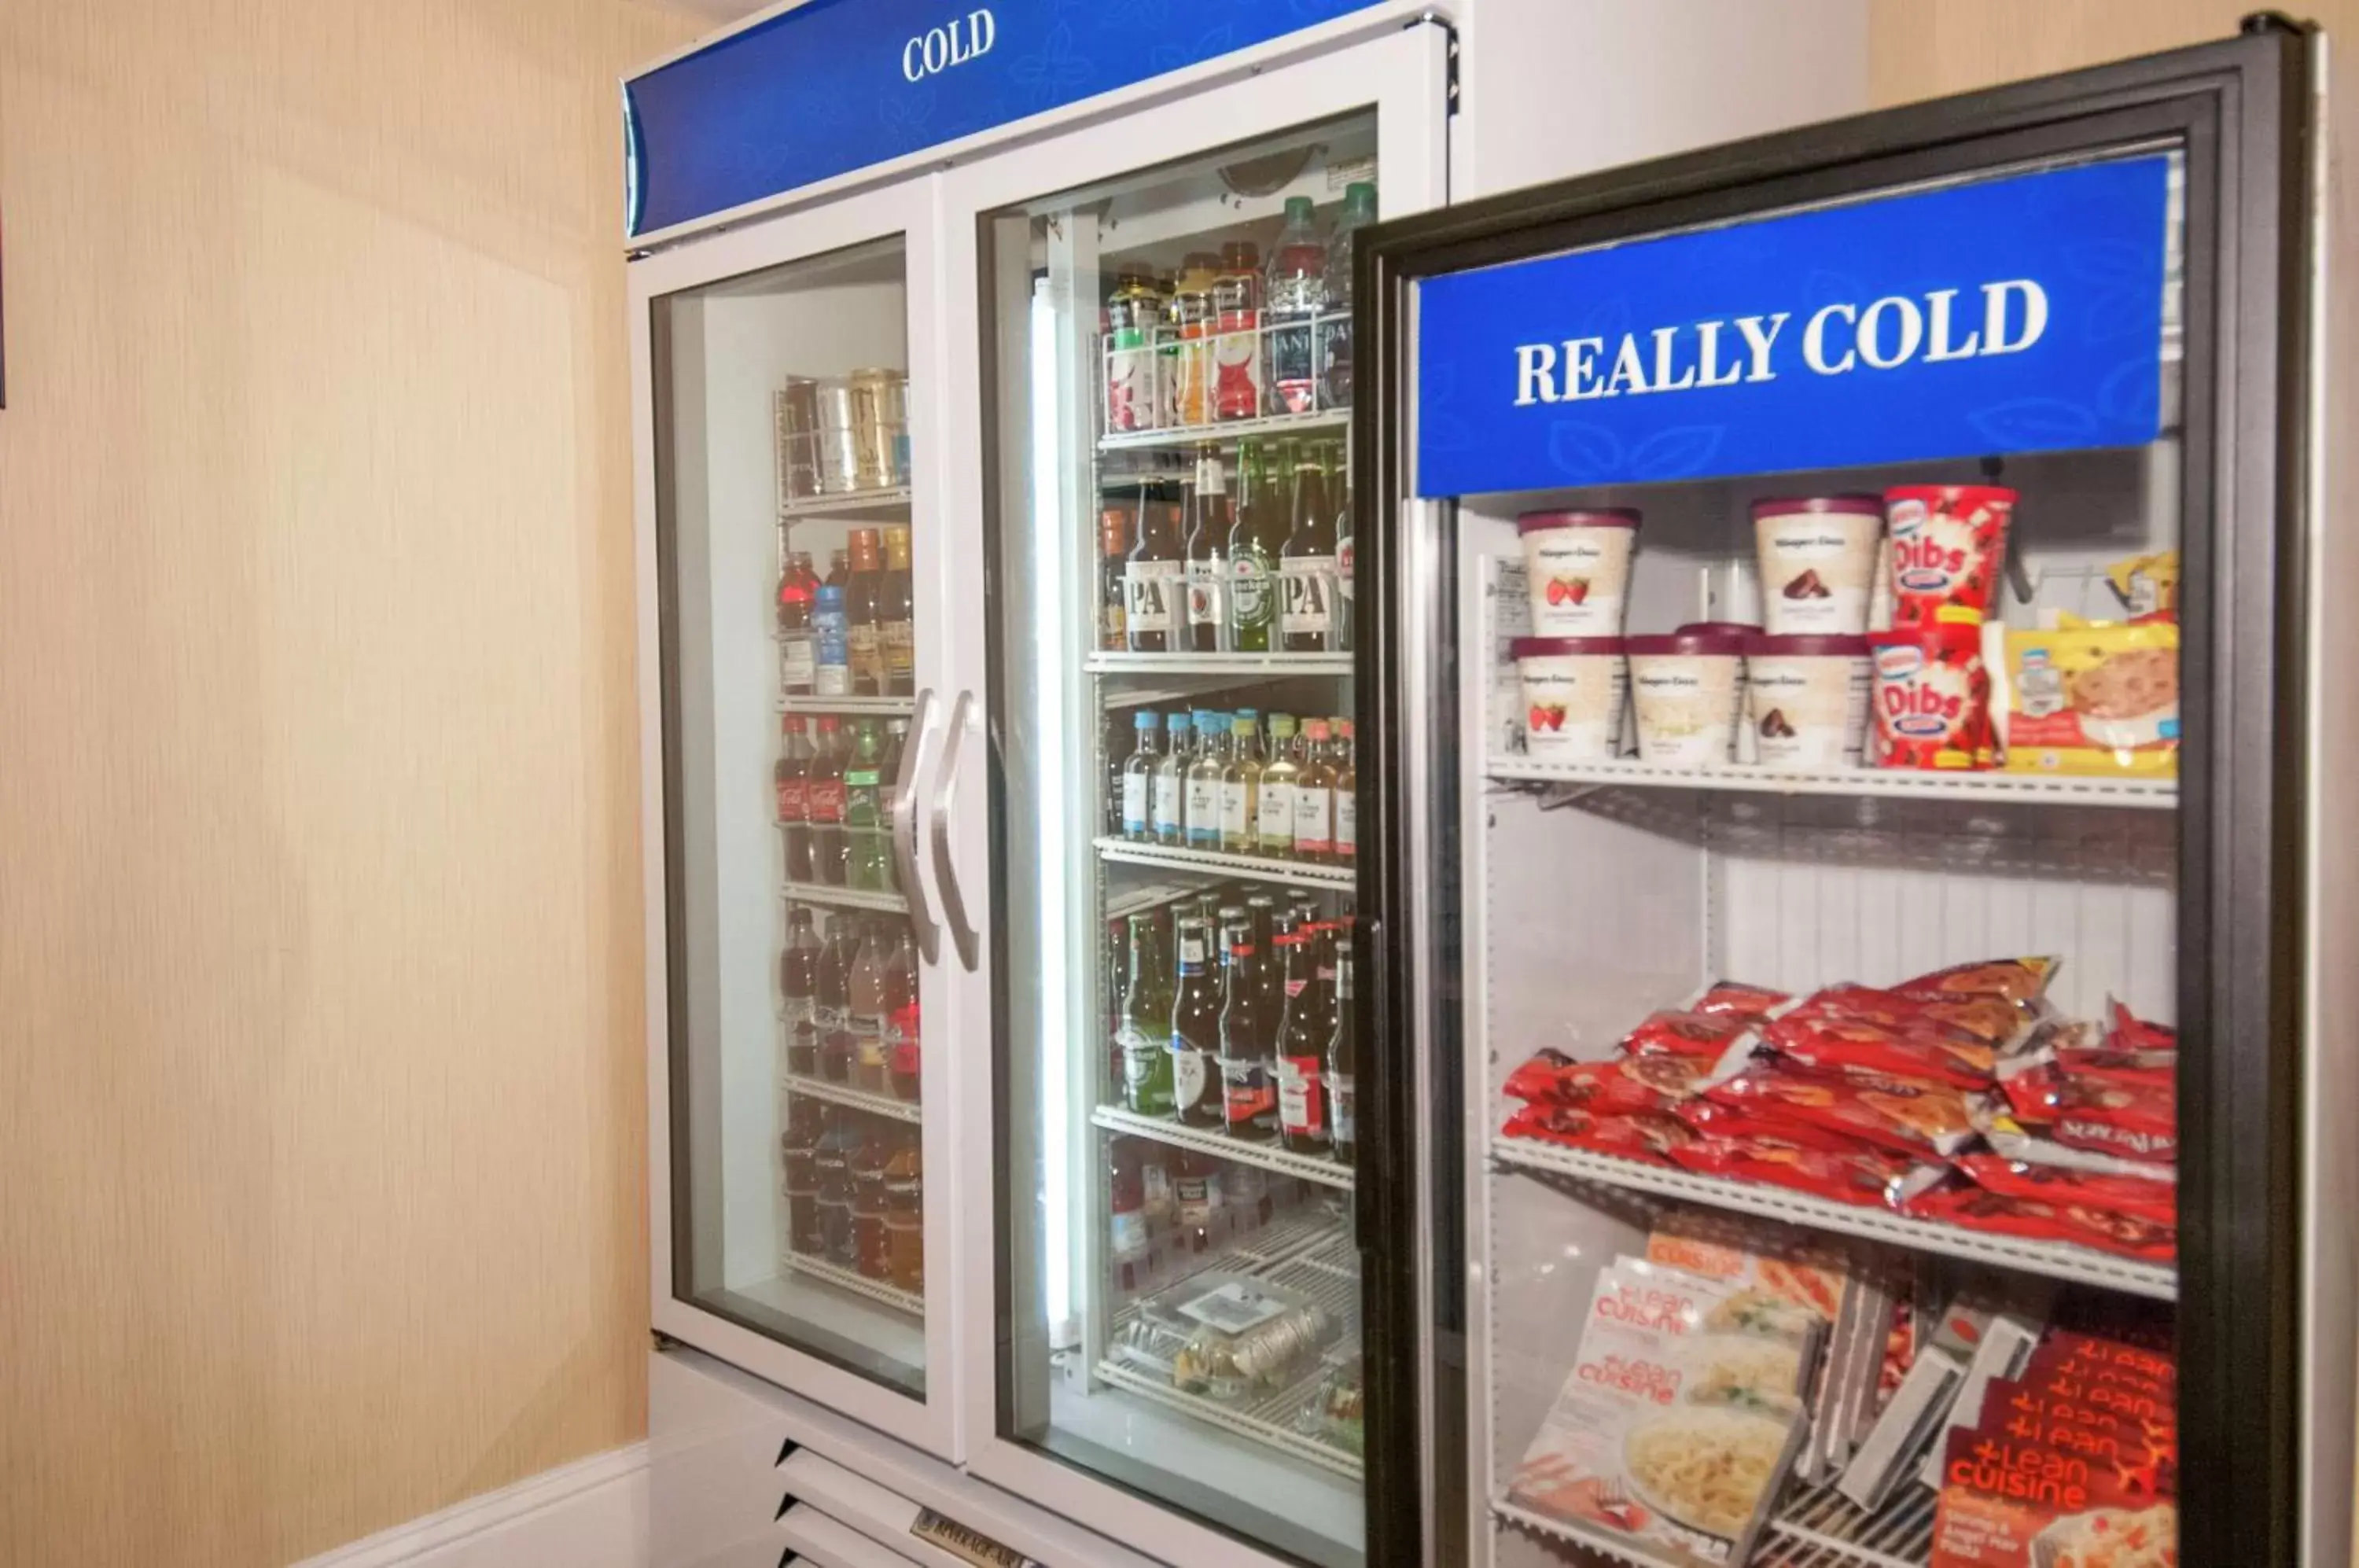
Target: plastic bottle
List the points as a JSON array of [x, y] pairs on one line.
[[823, 805], [833, 1163], [868, 1025], [832, 646], [867, 1165], [799, 1144], [797, 649], [1167, 806], [905, 1214], [799, 985], [1336, 331], [832, 1000], [868, 842], [1138, 776], [1294, 294], [902, 1044], [1203, 793]]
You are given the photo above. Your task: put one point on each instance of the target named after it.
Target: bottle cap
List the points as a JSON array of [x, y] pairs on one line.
[[1147, 719], [1297, 209], [1178, 722]]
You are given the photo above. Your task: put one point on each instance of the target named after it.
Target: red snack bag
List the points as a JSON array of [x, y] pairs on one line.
[[2154, 1201], [1862, 1177], [2129, 1032], [1927, 1054], [1710, 1118], [1932, 697], [1645, 1136], [1737, 997], [2125, 1112], [1977, 1208], [2020, 981], [1993, 1020], [1948, 547], [1704, 1035], [1542, 1078], [1908, 1119]]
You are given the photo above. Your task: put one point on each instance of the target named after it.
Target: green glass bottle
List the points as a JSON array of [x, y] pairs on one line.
[[1255, 540], [1146, 1036], [868, 857]]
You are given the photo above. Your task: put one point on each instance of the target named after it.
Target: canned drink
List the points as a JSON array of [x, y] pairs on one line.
[[879, 425], [798, 411], [839, 440]]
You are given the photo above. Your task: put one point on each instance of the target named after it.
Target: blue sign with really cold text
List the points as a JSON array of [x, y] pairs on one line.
[[836, 85], [2021, 314]]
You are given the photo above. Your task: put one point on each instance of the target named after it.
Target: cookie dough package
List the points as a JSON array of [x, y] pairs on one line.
[[1669, 1433], [2098, 700]]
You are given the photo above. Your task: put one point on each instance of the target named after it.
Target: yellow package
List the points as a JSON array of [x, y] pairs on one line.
[[2090, 699], [2148, 584]]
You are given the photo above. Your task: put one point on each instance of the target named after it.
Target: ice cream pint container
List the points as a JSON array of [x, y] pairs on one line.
[[1685, 687], [1818, 556], [1578, 569], [1574, 690], [1806, 701]]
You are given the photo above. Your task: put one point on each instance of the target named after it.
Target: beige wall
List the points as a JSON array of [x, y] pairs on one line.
[[322, 1157], [1923, 49]]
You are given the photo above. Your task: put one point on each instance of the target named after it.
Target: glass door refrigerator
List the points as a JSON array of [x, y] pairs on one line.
[[1169, 1322], [1840, 800]]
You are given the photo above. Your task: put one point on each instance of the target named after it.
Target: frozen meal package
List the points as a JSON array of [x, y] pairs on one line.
[[1671, 1436], [2005, 1342], [2086, 699], [2006, 1502], [1916, 1412]]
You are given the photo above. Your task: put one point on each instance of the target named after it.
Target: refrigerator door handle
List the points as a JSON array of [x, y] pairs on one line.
[[963, 931], [905, 831]]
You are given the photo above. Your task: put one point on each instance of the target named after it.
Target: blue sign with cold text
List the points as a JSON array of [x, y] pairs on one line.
[[2022, 313], [835, 85]]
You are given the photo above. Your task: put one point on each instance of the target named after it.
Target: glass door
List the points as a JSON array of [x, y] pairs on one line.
[[1176, 865], [790, 464]]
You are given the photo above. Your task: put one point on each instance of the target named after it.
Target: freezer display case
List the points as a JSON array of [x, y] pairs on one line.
[[1836, 801]]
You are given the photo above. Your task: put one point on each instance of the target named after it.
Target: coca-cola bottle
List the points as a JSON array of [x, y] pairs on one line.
[[823, 807], [792, 777], [832, 999], [799, 985]]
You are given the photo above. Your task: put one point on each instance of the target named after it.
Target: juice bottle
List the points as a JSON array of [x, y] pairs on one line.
[[901, 1043], [1236, 336], [905, 1214], [868, 1208], [1194, 318], [1293, 295], [1134, 381], [868, 1058], [798, 650]]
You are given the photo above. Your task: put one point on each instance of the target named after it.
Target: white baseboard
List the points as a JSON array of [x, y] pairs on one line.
[[592, 1513]]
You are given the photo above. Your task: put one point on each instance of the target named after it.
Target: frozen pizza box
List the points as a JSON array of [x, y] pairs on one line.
[[1671, 1435]]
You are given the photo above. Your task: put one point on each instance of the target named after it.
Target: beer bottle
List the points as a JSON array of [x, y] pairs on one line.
[[1169, 803], [1249, 1104], [1307, 565], [1302, 1050], [1344, 603], [1347, 796], [900, 620], [1255, 540], [1342, 1056], [1208, 524], [1152, 581], [1196, 1194], [1241, 787], [864, 614], [1196, 1084], [1114, 568], [1146, 1024], [823, 803], [1279, 923], [1314, 792], [1203, 802], [1274, 833]]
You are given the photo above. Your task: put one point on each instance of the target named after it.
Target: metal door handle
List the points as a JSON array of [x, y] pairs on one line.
[[905, 831], [963, 931]]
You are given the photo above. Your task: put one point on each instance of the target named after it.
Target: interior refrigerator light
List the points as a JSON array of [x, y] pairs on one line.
[[1050, 737]]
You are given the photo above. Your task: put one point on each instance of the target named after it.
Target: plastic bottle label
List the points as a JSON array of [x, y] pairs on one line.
[[1308, 584], [1204, 812], [900, 651], [792, 796], [1347, 823], [1311, 826], [1277, 824], [865, 652], [798, 661], [1134, 803], [868, 1039], [825, 801], [1167, 804], [1129, 1233], [1237, 823], [1299, 1104]]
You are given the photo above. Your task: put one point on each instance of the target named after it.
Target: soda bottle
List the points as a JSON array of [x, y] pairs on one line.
[[1301, 1053], [1293, 297], [899, 621], [1146, 1023], [832, 1000], [1274, 831], [1134, 378], [867, 1167], [864, 614], [1236, 337], [1249, 1104], [1207, 549], [1314, 790], [831, 1164], [1138, 776], [1203, 803], [1335, 330], [823, 805], [798, 984], [1195, 1030], [1305, 565], [1347, 795], [1154, 606], [798, 652], [905, 1214], [869, 1014], [1194, 318], [1130, 1237], [789, 776], [1196, 1197], [867, 844], [1255, 541], [901, 1016], [800, 1143], [1169, 807], [1342, 1057], [1113, 567], [1241, 787], [832, 647]]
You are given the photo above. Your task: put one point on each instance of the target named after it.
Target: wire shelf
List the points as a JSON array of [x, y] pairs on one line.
[[1233, 665], [1817, 1527], [890, 707], [2058, 1260], [832, 896], [1246, 867], [2152, 794], [848, 503], [1236, 1151], [906, 1301], [854, 1099]]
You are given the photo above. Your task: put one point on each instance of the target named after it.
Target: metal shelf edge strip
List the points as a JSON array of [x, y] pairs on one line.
[[2143, 794], [1294, 874], [1237, 1151]]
